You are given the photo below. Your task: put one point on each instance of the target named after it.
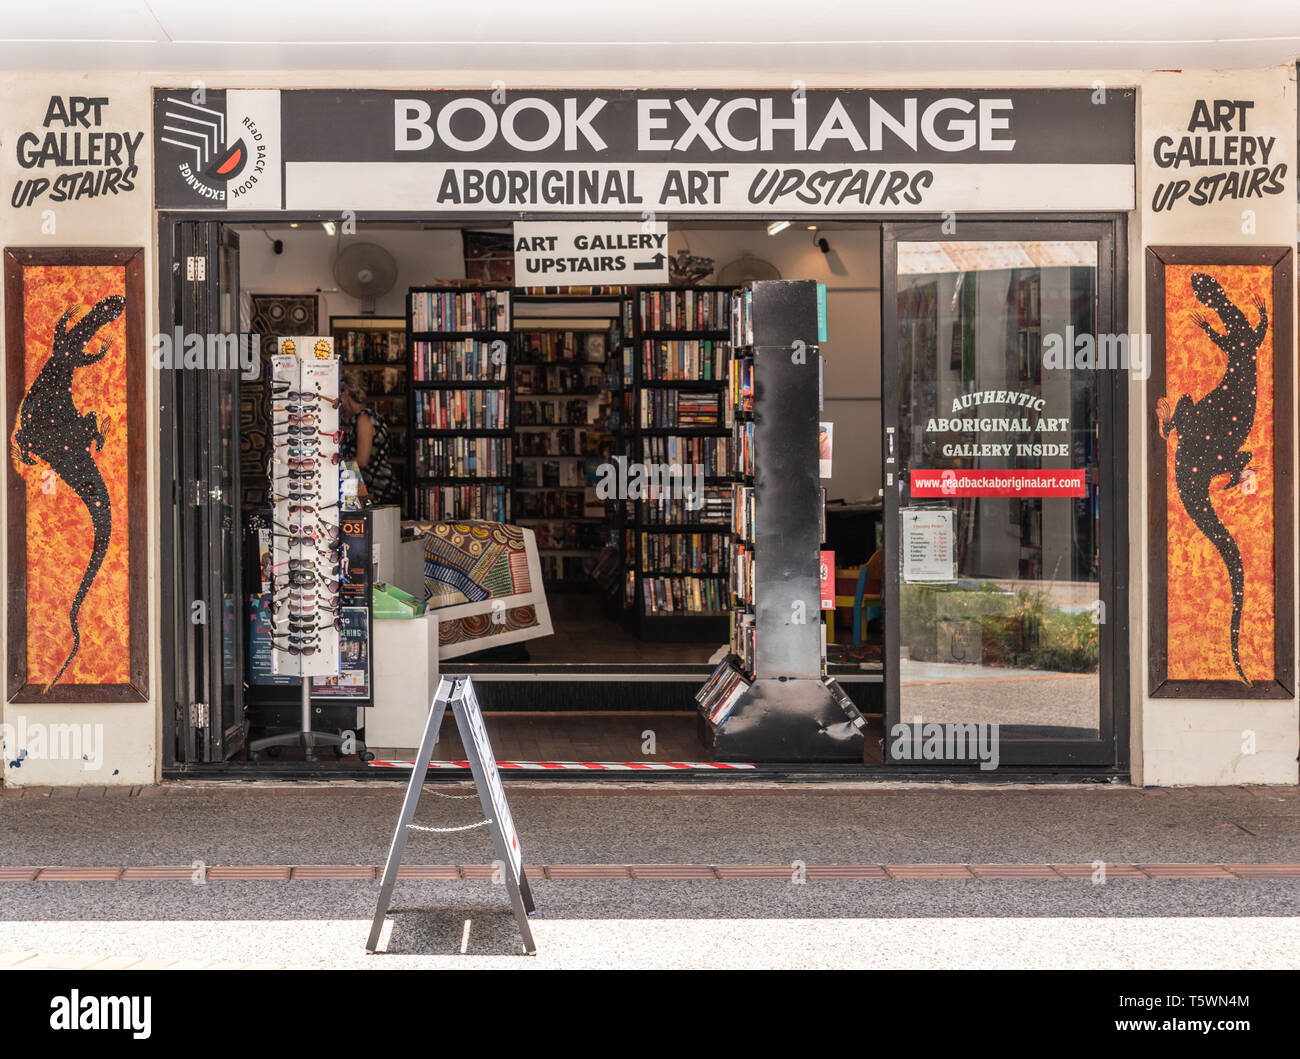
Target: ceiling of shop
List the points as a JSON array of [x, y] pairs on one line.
[[768, 36]]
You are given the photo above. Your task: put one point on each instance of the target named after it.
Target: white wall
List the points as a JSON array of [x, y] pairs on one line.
[[1172, 742], [130, 731], [1185, 741]]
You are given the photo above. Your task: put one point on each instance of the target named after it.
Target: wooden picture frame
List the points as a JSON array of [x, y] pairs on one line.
[[1174, 489], [93, 299]]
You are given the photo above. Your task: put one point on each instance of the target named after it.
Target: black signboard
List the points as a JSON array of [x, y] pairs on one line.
[[628, 151]]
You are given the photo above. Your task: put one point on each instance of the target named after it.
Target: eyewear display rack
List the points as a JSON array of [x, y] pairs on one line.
[[678, 350], [458, 409], [305, 538], [770, 700]]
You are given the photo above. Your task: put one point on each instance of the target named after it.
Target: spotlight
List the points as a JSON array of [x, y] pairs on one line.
[[328, 226], [777, 227]]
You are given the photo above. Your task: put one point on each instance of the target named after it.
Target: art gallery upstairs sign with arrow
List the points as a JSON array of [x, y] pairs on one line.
[[559, 254]]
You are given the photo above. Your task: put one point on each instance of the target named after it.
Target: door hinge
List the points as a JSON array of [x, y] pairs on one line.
[[202, 496], [196, 268], [198, 714]]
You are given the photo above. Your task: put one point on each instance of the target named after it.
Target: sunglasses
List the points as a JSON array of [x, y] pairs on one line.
[[323, 549], [295, 565], [308, 461], [320, 528], [311, 509], [280, 432], [307, 609], [303, 580], [313, 626], [300, 419], [295, 649]]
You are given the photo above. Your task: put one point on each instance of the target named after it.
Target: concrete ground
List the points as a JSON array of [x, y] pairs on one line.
[[1135, 918]]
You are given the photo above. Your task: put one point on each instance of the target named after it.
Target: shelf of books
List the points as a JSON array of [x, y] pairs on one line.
[[680, 424], [769, 699], [565, 411], [458, 407], [376, 345]]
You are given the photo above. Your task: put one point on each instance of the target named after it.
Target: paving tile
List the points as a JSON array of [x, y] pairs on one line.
[[79, 874], [1265, 871], [845, 871], [276, 872], [155, 790], [1014, 871], [755, 871], [113, 963], [157, 871], [90, 793], [587, 871], [63, 792], [59, 961], [1186, 871], [928, 871], [119, 791], [333, 871], [672, 871], [1113, 871], [18, 874], [423, 871]]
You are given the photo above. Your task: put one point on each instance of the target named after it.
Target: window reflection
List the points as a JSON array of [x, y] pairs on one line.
[[1013, 638]]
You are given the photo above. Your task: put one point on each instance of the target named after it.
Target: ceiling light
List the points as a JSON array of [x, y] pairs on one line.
[[777, 227], [328, 226], [293, 224], [812, 227]]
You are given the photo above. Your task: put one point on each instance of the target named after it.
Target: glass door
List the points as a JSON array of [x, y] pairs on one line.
[[1005, 557]]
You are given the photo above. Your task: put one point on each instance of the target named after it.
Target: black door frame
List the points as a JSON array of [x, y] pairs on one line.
[[1111, 750], [179, 673], [193, 534]]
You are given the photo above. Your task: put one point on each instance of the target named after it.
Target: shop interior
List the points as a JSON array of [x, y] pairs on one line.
[[634, 591]]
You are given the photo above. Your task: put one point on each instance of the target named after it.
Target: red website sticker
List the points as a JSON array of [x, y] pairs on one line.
[[1023, 483]]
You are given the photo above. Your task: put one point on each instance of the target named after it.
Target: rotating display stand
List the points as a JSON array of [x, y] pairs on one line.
[[306, 540]]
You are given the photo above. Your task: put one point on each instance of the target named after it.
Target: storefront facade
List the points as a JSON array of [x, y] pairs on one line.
[[1132, 185]]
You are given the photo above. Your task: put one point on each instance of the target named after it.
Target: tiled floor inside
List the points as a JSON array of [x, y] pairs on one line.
[[575, 737], [584, 634]]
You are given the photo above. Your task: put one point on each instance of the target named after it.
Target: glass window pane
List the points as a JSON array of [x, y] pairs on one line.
[[1010, 634]]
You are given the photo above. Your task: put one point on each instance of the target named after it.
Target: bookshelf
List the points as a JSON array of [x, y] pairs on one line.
[[458, 408], [566, 369], [678, 416], [377, 346], [770, 699]]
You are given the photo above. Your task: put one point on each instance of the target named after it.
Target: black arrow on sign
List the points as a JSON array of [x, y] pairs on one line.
[[655, 262]]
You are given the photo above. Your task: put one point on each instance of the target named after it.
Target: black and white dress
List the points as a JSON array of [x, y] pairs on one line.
[[381, 480]]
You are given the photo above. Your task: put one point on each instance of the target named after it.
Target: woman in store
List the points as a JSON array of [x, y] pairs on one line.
[[366, 440]]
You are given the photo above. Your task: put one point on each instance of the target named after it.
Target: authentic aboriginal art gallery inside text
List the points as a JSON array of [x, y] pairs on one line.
[[847, 430]]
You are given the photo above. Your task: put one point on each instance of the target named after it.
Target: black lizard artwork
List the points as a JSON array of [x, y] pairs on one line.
[[52, 429], [1212, 430]]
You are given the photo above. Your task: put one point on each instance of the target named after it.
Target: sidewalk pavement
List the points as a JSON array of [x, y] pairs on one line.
[[734, 899]]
